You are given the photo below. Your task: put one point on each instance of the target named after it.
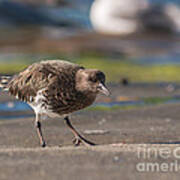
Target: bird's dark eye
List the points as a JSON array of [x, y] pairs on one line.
[[94, 80]]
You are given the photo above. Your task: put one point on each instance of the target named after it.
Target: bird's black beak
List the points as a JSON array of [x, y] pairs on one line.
[[103, 89]]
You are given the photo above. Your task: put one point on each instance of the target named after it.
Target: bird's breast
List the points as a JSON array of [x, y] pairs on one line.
[[69, 103]]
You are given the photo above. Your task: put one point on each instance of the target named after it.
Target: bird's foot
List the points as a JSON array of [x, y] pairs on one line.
[[79, 139], [76, 141], [43, 144]]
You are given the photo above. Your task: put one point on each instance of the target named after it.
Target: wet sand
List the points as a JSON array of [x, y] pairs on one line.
[[120, 134]]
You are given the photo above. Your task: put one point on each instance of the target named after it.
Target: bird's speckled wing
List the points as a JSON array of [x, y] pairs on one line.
[[51, 75]]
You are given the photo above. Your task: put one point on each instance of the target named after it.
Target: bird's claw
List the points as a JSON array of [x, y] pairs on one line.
[[43, 144], [76, 141]]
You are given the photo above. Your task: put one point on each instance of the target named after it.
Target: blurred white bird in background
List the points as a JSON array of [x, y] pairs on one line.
[[116, 16], [119, 17]]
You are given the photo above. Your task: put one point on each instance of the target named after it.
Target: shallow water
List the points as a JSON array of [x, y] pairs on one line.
[[12, 106], [164, 59], [141, 102], [17, 106]]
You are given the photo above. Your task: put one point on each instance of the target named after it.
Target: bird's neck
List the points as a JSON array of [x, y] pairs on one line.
[[87, 98]]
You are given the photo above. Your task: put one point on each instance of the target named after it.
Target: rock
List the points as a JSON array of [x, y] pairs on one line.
[[124, 81]]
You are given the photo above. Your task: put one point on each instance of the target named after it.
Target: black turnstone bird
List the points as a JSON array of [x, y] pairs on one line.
[[56, 88]]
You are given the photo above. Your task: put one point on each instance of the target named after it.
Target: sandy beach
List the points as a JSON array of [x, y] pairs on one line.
[[120, 134]]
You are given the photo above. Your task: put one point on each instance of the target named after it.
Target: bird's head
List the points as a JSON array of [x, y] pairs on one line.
[[91, 81]]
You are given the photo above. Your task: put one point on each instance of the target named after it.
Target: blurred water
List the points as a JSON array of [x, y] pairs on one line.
[[13, 106], [77, 14], [18, 106], [164, 59], [165, 1]]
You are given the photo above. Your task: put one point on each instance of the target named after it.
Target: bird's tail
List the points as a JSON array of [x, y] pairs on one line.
[[4, 80]]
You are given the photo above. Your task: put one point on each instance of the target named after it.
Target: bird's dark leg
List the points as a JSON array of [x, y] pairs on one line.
[[39, 131], [78, 138]]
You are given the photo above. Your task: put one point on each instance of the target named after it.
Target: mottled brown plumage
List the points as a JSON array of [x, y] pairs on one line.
[[57, 88]]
